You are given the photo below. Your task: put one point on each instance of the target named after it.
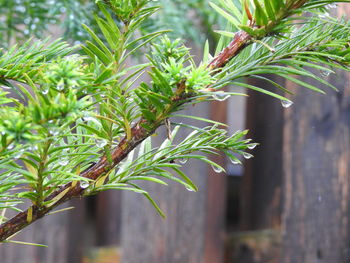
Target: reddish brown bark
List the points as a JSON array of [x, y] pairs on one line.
[[240, 40], [20, 220]]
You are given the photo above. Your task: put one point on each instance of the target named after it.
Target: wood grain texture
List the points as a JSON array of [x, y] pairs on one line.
[[108, 218], [316, 225], [260, 193], [215, 224], [261, 204], [51, 231], [316, 186], [64, 233], [179, 238]]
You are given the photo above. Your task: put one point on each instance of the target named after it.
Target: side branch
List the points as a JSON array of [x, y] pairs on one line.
[[21, 220], [240, 40]]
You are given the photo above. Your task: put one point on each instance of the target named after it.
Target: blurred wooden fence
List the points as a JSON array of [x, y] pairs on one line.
[[294, 199]]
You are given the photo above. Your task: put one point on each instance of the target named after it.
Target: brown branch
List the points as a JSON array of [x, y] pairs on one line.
[[139, 133], [240, 40], [20, 221]]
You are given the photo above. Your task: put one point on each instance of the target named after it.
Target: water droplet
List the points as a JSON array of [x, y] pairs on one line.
[[60, 86], [45, 91], [183, 160], [324, 15], [220, 96], [331, 6], [63, 161], [3, 133], [247, 155], [325, 73], [252, 146], [34, 148], [11, 146], [84, 184], [286, 103], [189, 189], [74, 83], [217, 169], [54, 131], [27, 20], [89, 118], [319, 198], [234, 161], [19, 153], [101, 143]]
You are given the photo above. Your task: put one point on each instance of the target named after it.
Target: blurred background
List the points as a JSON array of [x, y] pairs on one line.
[[289, 204]]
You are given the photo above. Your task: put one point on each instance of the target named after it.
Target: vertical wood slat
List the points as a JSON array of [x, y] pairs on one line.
[[51, 231], [179, 238], [63, 233], [317, 166], [193, 231], [317, 183], [261, 190], [215, 230], [258, 238], [108, 218], [77, 232]]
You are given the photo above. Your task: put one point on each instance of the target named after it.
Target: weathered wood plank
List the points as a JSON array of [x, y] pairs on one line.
[[179, 238], [317, 183], [261, 188], [316, 186], [260, 246], [108, 218], [51, 231], [215, 228], [260, 193], [64, 233]]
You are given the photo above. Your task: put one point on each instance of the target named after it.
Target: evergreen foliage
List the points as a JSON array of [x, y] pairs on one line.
[[75, 120], [24, 18], [21, 19]]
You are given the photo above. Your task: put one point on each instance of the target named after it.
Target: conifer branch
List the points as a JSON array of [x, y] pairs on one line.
[[139, 133], [260, 26]]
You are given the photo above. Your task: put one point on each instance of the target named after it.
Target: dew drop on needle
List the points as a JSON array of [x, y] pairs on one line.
[[220, 96], [84, 184], [286, 103], [217, 169], [247, 155]]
